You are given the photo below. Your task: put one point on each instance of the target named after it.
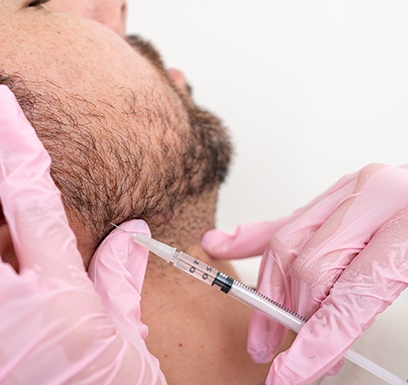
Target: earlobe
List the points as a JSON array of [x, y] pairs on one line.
[[179, 80]]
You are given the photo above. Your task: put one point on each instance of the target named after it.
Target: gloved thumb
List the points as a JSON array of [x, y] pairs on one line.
[[248, 240], [117, 270]]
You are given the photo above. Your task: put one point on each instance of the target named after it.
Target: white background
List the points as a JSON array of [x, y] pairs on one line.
[[311, 90]]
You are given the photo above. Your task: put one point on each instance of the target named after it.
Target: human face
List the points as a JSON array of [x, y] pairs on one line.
[[111, 13], [124, 142]]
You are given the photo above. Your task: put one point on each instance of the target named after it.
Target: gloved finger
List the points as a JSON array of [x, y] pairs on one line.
[[248, 240], [31, 203], [371, 282], [344, 235], [266, 335], [251, 239], [117, 270]]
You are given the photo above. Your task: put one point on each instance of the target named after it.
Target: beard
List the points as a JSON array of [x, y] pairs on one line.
[[119, 172], [208, 147]]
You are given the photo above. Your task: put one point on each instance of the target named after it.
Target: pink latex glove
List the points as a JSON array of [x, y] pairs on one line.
[[54, 327], [339, 261]]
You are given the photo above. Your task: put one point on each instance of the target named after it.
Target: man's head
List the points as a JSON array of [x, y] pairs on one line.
[[124, 142]]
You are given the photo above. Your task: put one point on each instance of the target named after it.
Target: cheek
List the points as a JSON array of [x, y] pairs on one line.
[[74, 7]]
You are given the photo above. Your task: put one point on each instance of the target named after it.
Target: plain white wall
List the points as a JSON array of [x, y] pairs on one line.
[[311, 90]]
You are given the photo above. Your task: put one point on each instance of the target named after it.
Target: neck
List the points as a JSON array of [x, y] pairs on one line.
[[189, 222]]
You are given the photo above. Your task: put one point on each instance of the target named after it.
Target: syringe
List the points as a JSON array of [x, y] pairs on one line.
[[249, 297]]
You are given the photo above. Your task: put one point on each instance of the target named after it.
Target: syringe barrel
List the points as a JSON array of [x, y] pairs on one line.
[[267, 306], [238, 290], [195, 267]]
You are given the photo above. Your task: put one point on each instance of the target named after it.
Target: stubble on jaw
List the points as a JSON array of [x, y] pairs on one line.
[[117, 173]]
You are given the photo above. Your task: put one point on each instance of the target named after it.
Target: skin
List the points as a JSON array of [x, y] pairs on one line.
[[198, 334], [111, 13]]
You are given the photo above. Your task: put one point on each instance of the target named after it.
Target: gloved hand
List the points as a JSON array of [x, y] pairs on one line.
[[54, 327], [339, 261]]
